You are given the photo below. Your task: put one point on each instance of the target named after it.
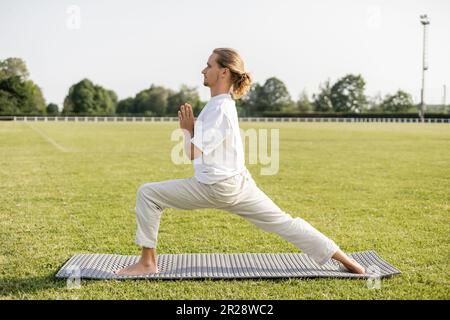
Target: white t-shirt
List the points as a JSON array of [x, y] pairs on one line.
[[217, 135]]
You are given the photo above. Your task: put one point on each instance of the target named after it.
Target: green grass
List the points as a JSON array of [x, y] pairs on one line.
[[367, 186]]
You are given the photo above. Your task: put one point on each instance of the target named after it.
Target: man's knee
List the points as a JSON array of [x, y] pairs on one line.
[[147, 193], [146, 190]]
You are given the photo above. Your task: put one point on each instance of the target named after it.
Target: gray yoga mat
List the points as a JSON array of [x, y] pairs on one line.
[[224, 266]]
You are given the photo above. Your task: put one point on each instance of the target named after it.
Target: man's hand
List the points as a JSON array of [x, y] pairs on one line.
[[186, 118]]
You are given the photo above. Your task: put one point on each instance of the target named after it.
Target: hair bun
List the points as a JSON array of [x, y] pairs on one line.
[[244, 76]]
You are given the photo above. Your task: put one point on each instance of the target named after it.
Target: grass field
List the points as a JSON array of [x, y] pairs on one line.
[[69, 188]]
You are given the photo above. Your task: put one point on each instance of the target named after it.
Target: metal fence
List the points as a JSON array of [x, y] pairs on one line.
[[248, 119]]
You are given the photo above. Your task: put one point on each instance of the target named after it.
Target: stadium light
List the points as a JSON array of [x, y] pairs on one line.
[[425, 22]]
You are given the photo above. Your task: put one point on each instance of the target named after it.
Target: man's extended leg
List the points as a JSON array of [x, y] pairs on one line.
[[255, 206]]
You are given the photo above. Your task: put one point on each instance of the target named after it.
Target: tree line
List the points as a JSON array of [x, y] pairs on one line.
[[20, 96]]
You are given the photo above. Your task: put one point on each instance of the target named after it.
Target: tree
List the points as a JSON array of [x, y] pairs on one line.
[[185, 94], [11, 95], [106, 101], [13, 67], [52, 108], [80, 98], [18, 94], [274, 96], [157, 99], [374, 103], [160, 101], [322, 102], [152, 101], [398, 102], [125, 106], [20, 97], [7, 104], [303, 103], [35, 102], [248, 104], [347, 94], [86, 98]]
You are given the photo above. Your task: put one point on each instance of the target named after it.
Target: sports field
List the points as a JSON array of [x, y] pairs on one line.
[[68, 188]]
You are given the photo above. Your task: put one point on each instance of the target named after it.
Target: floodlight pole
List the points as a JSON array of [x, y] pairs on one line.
[[425, 22]]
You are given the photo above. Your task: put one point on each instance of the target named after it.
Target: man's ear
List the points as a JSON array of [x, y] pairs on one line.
[[225, 72]]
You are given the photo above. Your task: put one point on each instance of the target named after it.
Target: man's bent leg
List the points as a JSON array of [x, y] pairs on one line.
[[151, 200]]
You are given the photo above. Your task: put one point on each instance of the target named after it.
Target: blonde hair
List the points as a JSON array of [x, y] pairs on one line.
[[240, 79]]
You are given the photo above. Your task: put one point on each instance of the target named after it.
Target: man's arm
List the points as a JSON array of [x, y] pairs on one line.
[[191, 149], [186, 118]]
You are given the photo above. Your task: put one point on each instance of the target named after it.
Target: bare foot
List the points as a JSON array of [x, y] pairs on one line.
[[137, 269], [354, 266]]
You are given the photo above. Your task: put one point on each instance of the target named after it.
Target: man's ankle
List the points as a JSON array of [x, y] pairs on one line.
[[147, 263]]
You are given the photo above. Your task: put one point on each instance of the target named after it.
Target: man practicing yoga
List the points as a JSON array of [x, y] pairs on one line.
[[213, 142]]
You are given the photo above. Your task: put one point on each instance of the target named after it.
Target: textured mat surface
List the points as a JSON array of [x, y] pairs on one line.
[[224, 266]]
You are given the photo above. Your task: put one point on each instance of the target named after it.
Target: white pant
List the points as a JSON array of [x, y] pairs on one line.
[[238, 194]]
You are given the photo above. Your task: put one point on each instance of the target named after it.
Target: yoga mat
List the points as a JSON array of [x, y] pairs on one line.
[[225, 266]]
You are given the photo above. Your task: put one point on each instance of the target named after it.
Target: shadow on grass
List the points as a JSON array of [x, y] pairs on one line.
[[34, 285], [30, 285]]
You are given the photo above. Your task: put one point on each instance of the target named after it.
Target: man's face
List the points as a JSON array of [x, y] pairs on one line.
[[211, 72]]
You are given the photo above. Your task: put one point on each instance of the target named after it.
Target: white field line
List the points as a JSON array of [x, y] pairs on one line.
[[48, 139]]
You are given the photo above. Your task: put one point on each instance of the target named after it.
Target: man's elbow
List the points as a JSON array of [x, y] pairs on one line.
[[195, 156], [195, 152]]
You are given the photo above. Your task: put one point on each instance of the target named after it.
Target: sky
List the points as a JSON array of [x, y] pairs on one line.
[[126, 46]]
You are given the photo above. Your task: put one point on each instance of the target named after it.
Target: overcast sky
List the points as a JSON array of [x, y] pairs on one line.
[[128, 45]]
